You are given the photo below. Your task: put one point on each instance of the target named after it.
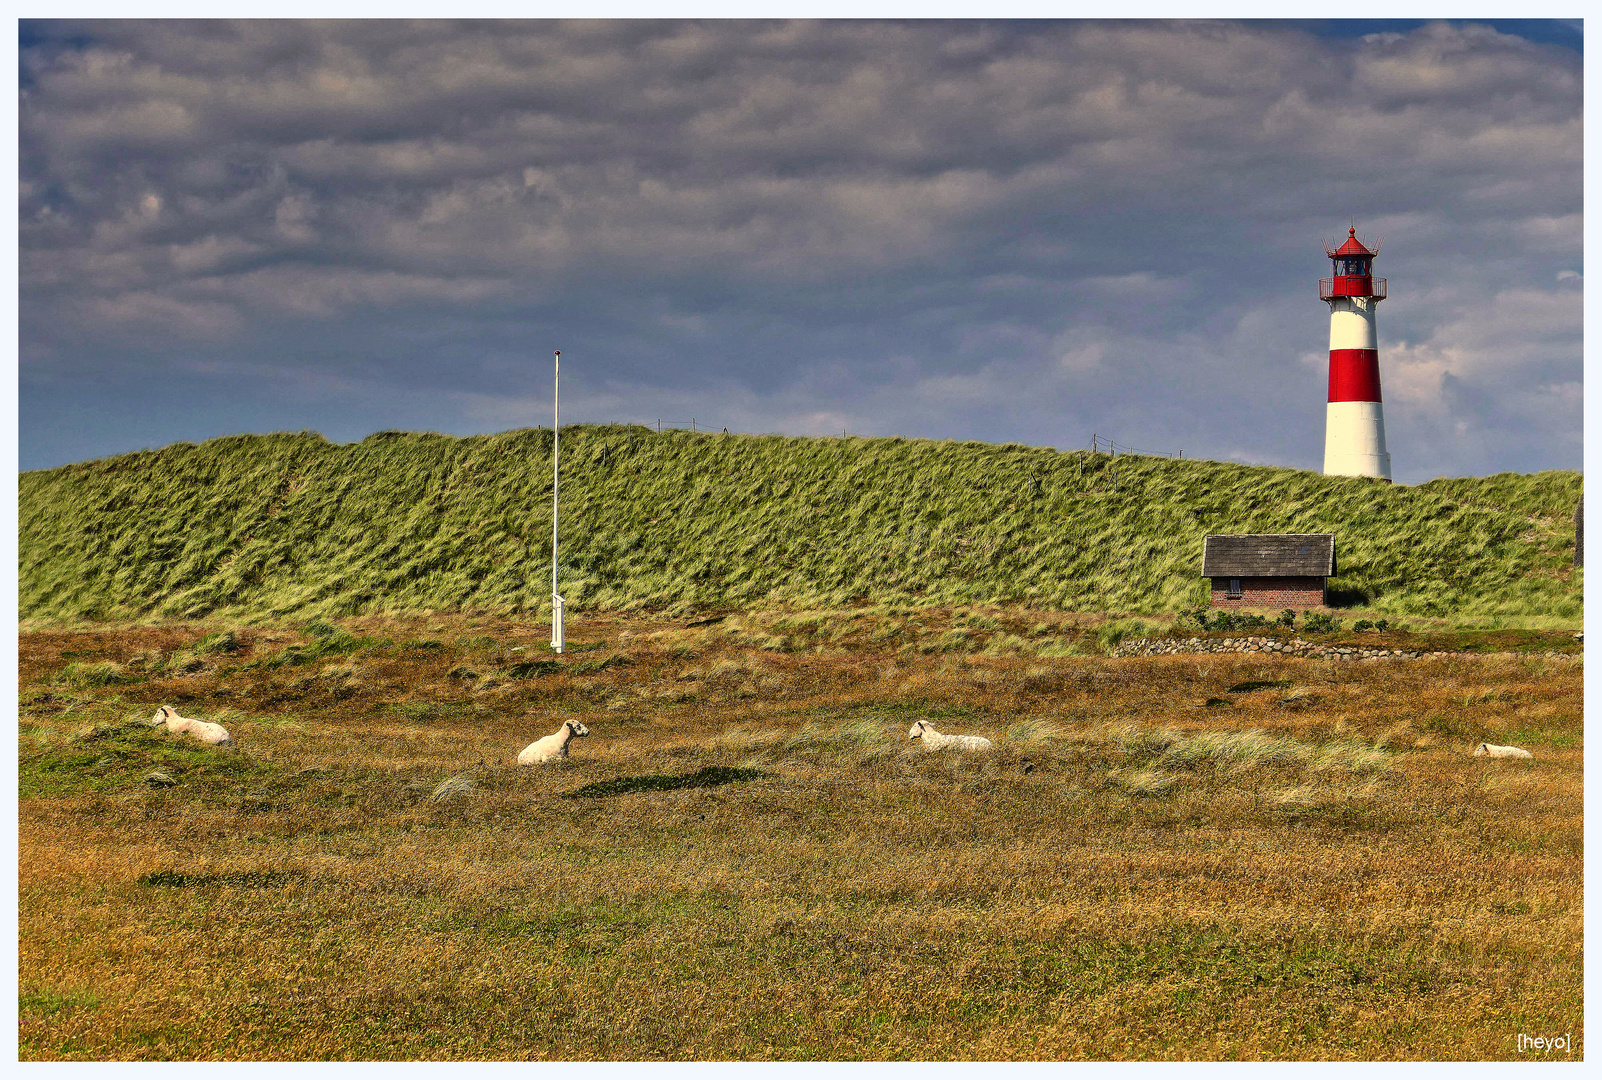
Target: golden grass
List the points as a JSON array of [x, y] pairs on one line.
[[1317, 869]]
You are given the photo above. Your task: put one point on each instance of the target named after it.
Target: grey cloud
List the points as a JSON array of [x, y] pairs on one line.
[[988, 229]]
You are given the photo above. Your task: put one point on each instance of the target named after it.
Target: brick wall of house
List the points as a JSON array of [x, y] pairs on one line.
[[1271, 592]]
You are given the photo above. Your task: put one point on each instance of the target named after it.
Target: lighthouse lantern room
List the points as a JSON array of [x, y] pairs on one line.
[[1354, 425]]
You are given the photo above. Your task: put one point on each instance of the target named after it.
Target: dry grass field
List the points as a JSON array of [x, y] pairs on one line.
[[1165, 858]]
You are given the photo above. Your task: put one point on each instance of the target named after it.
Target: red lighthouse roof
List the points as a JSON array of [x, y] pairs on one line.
[[1351, 247]]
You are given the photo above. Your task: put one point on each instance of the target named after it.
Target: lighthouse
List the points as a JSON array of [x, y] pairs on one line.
[[1354, 426]]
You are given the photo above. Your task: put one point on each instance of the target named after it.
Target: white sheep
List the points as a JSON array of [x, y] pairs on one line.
[[1486, 749], [933, 740], [552, 747], [208, 733]]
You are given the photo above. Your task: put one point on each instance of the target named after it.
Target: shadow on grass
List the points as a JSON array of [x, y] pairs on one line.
[[711, 776], [1336, 596], [245, 879]]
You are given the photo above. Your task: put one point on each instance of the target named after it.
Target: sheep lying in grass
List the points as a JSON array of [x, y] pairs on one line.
[[1486, 749], [933, 740], [208, 733], [552, 747]]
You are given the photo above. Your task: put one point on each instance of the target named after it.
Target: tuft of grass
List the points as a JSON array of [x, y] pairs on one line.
[[453, 787], [1349, 757], [323, 646], [531, 669], [1033, 732], [1300, 797], [1148, 782], [590, 667], [956, 639], [1133, 738], [1299, 697], [1253, 685], [848, 740], [88, 676], [1110, 633], [741, 741], [1236, 750], [224, 642]]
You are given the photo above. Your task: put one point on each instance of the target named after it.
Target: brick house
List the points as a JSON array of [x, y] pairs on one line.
[[1269, 570]]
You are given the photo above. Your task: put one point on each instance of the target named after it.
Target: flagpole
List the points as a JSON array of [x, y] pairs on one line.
[[556, 487]]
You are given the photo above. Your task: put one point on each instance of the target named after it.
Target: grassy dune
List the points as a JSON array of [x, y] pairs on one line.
[[269, 527], [1203, 857]]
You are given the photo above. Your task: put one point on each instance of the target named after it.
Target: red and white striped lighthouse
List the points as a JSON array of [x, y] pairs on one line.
[[1354, 426]]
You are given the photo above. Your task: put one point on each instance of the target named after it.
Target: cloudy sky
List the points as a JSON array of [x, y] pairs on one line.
[[1004, 231]]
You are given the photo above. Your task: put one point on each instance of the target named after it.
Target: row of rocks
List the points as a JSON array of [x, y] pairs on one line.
[[1291, 647]]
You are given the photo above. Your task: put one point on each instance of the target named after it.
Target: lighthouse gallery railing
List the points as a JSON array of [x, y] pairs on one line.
[[1329, 288]]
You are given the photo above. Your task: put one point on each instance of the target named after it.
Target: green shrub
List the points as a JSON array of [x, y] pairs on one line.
[[1236, 620]]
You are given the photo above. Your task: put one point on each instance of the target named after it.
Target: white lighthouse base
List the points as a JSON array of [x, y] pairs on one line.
[[1354, 440]]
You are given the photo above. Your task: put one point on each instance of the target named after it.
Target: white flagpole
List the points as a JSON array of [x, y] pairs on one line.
[[556, 481]]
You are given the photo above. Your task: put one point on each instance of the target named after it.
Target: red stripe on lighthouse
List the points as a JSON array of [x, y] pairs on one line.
[[1354, 375]]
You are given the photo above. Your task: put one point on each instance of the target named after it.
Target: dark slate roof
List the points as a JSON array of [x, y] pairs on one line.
[[1269, 555]]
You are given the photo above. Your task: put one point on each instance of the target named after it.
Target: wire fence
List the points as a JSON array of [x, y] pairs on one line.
[[1098, 445], [704, 428], [1113, 447]]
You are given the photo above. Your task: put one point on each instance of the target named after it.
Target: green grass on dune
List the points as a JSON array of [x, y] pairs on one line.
[[287, 525]]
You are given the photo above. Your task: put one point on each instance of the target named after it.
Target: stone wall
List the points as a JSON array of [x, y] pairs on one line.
[[1286, 647]]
